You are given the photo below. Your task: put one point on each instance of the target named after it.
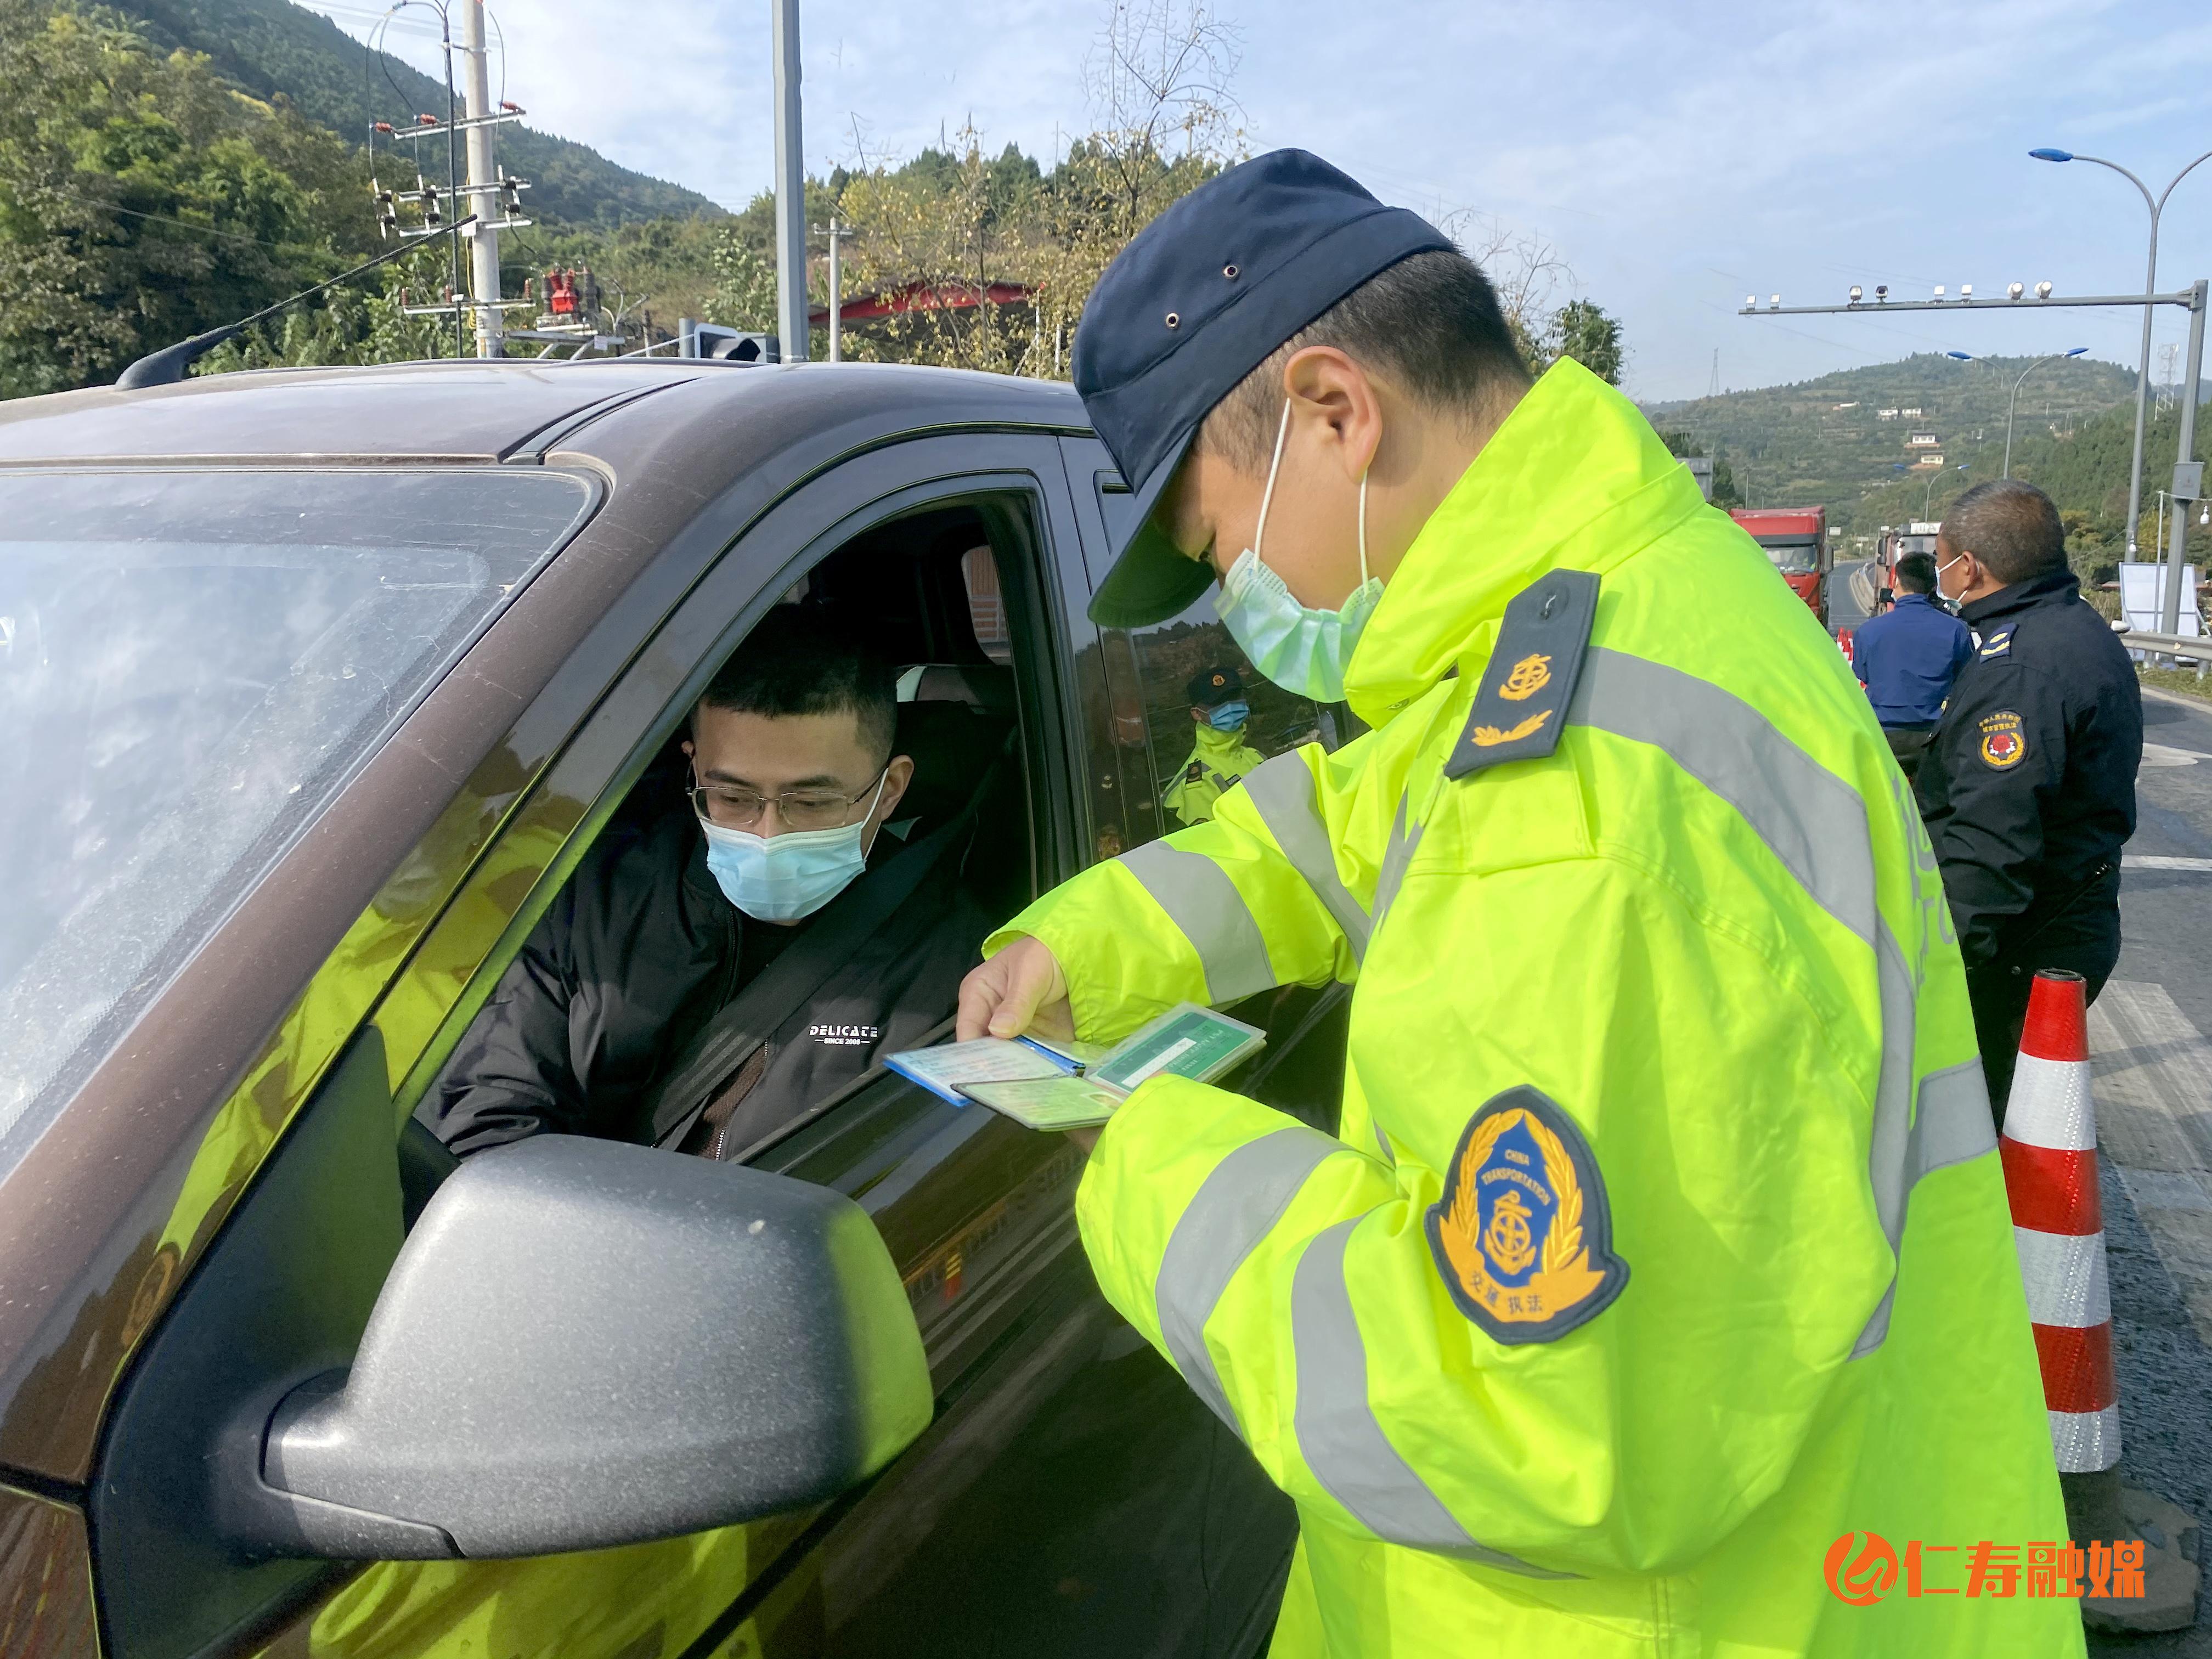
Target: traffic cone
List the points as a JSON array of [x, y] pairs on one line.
[[1843, 643], [2049, 1148]]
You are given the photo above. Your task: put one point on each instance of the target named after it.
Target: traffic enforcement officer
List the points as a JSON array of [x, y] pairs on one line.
[[1219, 755], [1663, 1247], [2029, 788]]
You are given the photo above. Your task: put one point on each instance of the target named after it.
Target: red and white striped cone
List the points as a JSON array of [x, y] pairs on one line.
[[1843, 643], [2049, 1147], [2049, 1150]]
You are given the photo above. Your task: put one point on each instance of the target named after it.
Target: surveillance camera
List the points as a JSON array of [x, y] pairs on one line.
[[1881, 290], [2014, 291], [2043, 290], [1857, 294]]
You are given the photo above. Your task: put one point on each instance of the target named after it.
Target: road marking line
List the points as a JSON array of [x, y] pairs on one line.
[[2153, 1093], [2159, 754], [2161, 862]]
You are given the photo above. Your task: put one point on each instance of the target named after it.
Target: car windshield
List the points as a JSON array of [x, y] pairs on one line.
[[1792, 558], [191, 661]]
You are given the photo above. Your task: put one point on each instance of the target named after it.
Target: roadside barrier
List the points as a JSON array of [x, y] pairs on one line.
[[2049, 1147]]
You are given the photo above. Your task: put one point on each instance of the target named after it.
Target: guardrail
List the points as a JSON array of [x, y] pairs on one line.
[[2168, 645]]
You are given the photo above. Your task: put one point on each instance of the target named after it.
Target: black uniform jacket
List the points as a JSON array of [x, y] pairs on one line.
[[642, 950], [2028, 790]]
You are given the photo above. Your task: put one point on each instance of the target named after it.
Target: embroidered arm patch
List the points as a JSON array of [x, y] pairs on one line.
[[1524, 1233]]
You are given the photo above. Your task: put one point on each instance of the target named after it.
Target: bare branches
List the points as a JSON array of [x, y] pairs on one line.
[[1527, 270], [1162, 67]]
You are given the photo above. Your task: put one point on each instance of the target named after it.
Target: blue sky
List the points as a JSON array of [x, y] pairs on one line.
[[1678, 156]]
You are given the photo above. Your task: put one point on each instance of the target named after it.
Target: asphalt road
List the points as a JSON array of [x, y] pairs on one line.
[[2153, 1062]]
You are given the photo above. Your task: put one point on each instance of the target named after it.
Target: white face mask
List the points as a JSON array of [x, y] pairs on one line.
[[788, 877], [1942, 598], [1303, 649]]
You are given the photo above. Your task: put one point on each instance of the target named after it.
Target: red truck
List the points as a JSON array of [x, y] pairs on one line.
[[1796, 540]]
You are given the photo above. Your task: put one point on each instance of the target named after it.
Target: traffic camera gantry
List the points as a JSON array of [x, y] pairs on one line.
[[2188, 471]]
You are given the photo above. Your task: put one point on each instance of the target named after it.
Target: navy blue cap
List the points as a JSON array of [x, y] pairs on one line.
[[1199, 299]]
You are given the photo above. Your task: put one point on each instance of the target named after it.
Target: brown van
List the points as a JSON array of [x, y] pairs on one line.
[[315, 687]]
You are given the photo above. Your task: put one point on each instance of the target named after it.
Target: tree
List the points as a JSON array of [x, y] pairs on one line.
[[1524, 269], [1582, 331], [1725, 493], [142, 201]]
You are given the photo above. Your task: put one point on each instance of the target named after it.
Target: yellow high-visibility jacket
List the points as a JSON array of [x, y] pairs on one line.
[[1218, 760], [1664, 1244]]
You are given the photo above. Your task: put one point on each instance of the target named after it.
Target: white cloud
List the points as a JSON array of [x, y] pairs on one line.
[[1679, 156]]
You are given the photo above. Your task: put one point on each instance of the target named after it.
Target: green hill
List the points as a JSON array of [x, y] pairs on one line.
[[1827, 441], [268, 47]]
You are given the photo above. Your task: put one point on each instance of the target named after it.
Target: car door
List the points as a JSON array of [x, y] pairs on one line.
[[977, 1224], [1138, 737]]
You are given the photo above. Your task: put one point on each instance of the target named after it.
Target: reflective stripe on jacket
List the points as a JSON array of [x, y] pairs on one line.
[[1709, 929]]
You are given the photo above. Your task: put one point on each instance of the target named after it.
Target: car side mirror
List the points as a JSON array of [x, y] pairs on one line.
[[584, 1344]]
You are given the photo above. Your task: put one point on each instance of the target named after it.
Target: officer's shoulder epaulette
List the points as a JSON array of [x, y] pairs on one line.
[[1522, 702], [1996, 644]]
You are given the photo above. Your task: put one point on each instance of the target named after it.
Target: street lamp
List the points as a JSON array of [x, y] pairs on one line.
[[1928, 495], [2150, 287], [2012, 401]]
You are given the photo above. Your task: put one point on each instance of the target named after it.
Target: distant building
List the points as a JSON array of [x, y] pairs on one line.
[[1886, 414], [1934, 458], [1910, 414], [1922, 441], [1701, 469], [1846, 405]]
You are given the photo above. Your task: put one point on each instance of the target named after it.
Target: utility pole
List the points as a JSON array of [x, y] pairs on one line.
[[2188, 470], [453, 189], [834, 232], [483, 239], [790, 188]]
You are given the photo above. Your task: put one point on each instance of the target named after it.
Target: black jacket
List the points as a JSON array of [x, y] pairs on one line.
[[2028, 790], [641, 951]]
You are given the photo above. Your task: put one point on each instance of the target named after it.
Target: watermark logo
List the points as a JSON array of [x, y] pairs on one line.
[[1863, 1567]]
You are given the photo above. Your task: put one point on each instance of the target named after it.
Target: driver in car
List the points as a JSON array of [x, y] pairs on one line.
[[718, 965]]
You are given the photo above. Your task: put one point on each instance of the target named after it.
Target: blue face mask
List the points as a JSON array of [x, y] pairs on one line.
[[1300, 648], [788, 877], [1228, 716]]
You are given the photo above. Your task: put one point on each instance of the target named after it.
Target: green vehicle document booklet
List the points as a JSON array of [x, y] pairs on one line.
[[1186, 1041]]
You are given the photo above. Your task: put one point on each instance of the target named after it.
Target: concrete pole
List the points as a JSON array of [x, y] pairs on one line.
[[2143, 379], [483, 241], [790, 190], [2170, 611], [837, 296]]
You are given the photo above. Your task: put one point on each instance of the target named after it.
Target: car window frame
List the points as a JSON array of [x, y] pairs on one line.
[[610, 775]]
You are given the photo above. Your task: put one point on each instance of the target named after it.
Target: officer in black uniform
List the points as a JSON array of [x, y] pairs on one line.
[[2029, 787]]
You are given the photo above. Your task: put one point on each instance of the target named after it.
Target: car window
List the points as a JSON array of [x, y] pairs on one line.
[[190, 662], [1172, 666]]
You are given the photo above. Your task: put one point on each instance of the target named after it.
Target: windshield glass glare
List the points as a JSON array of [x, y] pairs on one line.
[[1793, 558], [190, 661]]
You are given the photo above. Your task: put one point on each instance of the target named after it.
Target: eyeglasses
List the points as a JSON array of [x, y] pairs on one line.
[[797, 808]]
